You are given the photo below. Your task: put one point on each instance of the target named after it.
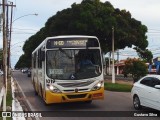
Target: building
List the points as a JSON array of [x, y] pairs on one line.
[[152, 69]]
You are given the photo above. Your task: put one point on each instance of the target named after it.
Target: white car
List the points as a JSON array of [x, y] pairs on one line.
[[146, 92]]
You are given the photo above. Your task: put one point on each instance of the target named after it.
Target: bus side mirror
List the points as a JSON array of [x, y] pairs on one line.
[[42, 55]]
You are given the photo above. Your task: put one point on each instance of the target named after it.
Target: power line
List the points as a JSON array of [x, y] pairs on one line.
[[22, 33], [154, 29], [25, 29]]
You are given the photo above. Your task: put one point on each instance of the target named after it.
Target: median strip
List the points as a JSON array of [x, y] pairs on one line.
[[117, 87]]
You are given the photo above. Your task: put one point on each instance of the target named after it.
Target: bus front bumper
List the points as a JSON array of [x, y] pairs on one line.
[[73, 97]]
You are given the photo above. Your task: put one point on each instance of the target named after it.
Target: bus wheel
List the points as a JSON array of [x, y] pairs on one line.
[[41, 92], [88, 102], [35, 92]]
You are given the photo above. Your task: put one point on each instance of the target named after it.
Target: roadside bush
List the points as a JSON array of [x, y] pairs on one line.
[[136, 67]]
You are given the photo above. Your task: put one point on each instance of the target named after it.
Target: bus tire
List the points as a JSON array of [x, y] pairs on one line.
[[35, 92], [41, 92]]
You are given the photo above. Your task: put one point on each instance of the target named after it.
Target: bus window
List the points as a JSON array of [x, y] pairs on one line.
[[61, 64]]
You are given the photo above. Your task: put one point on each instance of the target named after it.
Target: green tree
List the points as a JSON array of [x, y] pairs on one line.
[[23, 62], [146, 54], [96, 18], [136, 67]]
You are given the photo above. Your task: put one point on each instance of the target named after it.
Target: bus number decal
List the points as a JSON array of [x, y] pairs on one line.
[[56, 71], [50, 80], [58, 43]]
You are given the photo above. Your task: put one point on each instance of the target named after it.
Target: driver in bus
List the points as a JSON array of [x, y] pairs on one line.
[[84, 62]]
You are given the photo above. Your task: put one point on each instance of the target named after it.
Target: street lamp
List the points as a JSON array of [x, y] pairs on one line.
[[9, 41], [17, 19], [24, 16]]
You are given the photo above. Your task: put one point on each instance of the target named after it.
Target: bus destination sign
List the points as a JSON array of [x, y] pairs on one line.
[[56, 43], [69, 43]]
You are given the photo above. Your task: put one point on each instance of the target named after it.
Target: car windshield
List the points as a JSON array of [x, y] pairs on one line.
[[67, 64]]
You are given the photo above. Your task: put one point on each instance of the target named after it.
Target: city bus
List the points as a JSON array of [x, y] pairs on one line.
[[58, 74]]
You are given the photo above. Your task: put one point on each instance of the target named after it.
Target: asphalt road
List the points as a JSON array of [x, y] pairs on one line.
[[115, 104]]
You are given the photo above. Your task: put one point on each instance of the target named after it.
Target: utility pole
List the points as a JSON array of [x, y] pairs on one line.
[[4, 56], [109, 64], [113, 70], [6, 45], [117, 62], [8, 32], [10, 37]]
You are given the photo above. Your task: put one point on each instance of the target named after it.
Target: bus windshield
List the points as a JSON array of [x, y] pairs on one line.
[[73, 64]]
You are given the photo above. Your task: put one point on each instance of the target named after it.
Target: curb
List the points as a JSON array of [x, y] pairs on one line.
[[16, 106], [15, 103]]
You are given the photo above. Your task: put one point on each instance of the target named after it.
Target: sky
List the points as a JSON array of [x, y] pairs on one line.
[[146, 11]]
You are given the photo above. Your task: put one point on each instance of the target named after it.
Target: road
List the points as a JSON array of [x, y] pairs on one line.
[[119, 102]]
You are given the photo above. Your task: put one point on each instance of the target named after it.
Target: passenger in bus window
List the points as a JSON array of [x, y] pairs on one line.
[[85, 62]]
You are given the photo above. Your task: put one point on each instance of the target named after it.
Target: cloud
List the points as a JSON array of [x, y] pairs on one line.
[[142, 10], [45, 9]]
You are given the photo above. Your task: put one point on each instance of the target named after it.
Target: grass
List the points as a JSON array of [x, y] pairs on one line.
[[8, 97], [117, 87], [9, 93]]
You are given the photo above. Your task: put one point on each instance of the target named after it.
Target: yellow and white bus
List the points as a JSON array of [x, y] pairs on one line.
[[68, 69]]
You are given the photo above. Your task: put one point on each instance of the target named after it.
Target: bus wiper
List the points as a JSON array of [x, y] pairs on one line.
[[60, 49]]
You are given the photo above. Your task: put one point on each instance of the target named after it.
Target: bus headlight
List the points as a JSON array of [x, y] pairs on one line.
[[98, 86], [54, 89]]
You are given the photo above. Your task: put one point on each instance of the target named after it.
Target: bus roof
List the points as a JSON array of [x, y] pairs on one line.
[[71, 36]]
